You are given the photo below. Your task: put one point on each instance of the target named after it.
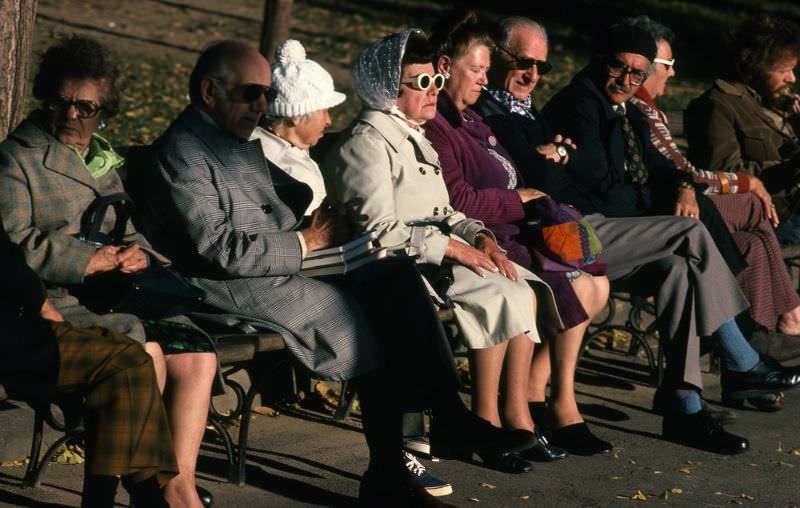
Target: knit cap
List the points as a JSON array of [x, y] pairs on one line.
[[299, 86]]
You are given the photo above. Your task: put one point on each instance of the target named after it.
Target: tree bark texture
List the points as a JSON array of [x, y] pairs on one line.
[[16, 34], [275, 27]]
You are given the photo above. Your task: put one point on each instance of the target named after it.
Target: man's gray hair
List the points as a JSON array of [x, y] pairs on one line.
[[509, 24]]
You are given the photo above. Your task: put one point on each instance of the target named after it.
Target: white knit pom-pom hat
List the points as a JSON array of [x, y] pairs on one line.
[[299, 86]]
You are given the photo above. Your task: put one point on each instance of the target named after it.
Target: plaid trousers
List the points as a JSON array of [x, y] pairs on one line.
[[127, 433]]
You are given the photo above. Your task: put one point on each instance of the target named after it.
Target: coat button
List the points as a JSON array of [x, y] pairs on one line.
[[21, 311], [266, 208], [435, 210], [437, 170], [422, 170]]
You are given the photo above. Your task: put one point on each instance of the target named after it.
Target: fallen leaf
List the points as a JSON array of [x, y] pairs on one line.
[[614, 477], [15, 463], [780, 447], [631, 461], [524, 498], [488, 486], [675, 490], [782, 463], [475, 500], [639, 496], [795, 452], [686, 470], [745, 496]]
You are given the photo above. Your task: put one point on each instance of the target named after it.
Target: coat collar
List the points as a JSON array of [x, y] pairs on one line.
[[395, 135], [447, 108], [751, 99], [222, 145], [58, 157], [584, 79]]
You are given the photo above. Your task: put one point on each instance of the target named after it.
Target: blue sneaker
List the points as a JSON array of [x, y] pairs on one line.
[[420, 476]]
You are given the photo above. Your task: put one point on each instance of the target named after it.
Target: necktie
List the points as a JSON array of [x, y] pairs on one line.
[[633, 157]]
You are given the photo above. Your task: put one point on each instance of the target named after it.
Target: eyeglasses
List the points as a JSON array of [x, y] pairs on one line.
[[246, 93], [667, 63], [85, 109], [424, 81], [525, 64], [617, 69]]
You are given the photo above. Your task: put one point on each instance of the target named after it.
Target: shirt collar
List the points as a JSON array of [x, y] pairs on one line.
[[516, 106]]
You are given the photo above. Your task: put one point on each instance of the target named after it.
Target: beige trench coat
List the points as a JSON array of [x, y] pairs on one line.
[[391, 183]]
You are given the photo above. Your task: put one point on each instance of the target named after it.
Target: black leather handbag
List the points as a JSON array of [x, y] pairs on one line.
[[154, 293]]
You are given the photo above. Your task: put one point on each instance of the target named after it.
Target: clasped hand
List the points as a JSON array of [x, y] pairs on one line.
[[129, 259]]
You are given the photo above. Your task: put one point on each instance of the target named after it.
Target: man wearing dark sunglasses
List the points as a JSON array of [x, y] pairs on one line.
[[596, 180]]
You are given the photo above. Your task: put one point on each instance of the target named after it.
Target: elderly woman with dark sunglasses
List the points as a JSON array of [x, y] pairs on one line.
[[52, 166]]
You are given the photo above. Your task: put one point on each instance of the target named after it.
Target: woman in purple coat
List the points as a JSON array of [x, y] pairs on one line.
[[484, 184]]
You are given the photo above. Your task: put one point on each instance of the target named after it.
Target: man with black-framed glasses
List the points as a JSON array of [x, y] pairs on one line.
[[649, 251]]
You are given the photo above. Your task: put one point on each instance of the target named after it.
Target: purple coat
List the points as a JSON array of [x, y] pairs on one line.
[[478, 186]]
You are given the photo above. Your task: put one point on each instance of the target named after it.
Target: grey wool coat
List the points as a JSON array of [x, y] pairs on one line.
[[44, 190], [212, 205], [391, 181]]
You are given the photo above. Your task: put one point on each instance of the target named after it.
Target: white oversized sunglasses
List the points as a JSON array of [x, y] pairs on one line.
[[424, 81]]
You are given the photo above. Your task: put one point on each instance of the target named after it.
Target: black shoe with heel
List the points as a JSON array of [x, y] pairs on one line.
[[543, 451], [507, 463], [461, 440], [768, 376], [577, 439]]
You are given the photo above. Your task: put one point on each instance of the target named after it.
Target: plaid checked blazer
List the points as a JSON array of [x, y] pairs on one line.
[[44, 190], [210, 202]]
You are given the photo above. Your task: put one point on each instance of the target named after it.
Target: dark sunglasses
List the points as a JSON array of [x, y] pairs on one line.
[[424, 81], [246, 93], [617, 69], [85, 109], [525, 64]]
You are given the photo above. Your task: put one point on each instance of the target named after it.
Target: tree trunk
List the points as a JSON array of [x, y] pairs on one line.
[[16, 18], [275, 27]]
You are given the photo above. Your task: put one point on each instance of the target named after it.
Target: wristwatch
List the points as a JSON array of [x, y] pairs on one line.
[[561, 150]]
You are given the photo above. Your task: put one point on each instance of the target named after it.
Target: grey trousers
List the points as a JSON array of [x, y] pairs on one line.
[[675, 260]]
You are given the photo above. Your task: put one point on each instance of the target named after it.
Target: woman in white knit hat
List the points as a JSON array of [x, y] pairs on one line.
[[297, 115]]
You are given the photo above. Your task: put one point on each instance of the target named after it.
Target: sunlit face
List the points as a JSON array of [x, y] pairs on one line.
[[657, 82], [524, 43], [619, 89], [778, 80], [417, 105], [309, 131], [228, 107], [467, 74], [63, 116]]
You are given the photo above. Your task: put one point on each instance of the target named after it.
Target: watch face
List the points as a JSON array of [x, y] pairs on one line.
[[561, 151]]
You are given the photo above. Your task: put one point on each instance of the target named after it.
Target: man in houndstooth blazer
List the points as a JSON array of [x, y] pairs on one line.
[[218, 213]]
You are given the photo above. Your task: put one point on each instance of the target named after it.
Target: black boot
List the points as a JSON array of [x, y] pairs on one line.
[[99, 491]]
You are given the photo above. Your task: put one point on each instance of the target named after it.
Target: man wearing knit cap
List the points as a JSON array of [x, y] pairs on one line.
[[616, 176]]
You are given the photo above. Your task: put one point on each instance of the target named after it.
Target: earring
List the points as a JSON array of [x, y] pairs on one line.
[[101, 124], [446, 75]]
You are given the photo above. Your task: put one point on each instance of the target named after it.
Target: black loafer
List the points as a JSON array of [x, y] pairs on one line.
[[701, 431], [768, 376], [205, 497], [543, 451], [476, 435], [577, 439], [507, 463]]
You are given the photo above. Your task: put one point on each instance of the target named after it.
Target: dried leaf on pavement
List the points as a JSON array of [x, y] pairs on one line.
[[488, 485]]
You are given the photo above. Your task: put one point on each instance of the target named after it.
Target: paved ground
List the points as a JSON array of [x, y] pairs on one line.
[[306, 460]]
